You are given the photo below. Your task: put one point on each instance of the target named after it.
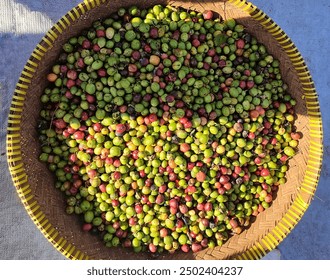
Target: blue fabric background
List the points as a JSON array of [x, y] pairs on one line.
[[305, 21]]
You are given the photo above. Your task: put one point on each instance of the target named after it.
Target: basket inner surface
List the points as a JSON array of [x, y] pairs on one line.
[[51, 200]]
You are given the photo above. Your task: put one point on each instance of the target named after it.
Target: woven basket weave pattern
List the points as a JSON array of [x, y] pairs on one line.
[[45, 204]]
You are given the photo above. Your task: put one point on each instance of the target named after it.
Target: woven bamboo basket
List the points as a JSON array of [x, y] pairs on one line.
[[45, 204]]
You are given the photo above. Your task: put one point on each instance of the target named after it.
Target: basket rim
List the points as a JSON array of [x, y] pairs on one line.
[[260, 248]]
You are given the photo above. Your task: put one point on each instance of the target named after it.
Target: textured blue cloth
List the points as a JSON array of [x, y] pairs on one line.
[[305, 21]]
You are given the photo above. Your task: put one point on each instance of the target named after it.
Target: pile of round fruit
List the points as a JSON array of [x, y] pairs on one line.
[[166, 129]]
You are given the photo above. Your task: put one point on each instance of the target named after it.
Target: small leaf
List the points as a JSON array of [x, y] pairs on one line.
[[220, 39]]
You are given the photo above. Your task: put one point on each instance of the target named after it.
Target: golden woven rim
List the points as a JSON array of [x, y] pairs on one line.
[[267, 242]]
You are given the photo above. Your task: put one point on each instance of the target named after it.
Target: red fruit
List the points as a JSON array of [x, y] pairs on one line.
[[200, 206], [86, 44], [260, 208], [163, 232], [119, 233], [199, 164], [242, 84], [63, 69], [276, 104], [204, 242], [102, 188], [295, 135], [188, 197], [135, 154], [190, 165], [264, 141], [116, 175], [83, 128], [59, 123], [173, 210], [208, 14], [70, 83], [132, 221], [136, 55], [109, 161], [154, 32], [205, 222], [78, 135], [268, 198], [273, 141], [147, 120], [115, 203], [221, 191], [267, 125], [91, 173], [185, 248], [116, 225], [189, 113], [73, 157], [200, 176], [169, 169], [102, 72], [142, 173], [162, 189], [127, 243], [261, 111], [264, 186], [223, 170], [251, 135], [257, 160], [52, 77], [184, 147], [254, 114], [233, 223], [138, 208], [100, 33], [84, 116], [144, 199], [211, 52], [173, 203], [148, 182], [208, 206], [192, 234], [227, 186], [172, 176], [80, 63], [183, 208], [191, 189], [196, 43], [72, 74], [240, 44], [238, 169], [116, 163], [73, 191], [68, 95], [196, 247], [284, 158], [96, 48], [224, 179], [97, 127], [120, 129], [87, 227], [264, 172], [153, 118], [152, 248], [222, 64], [159, 199], [250, 84]]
